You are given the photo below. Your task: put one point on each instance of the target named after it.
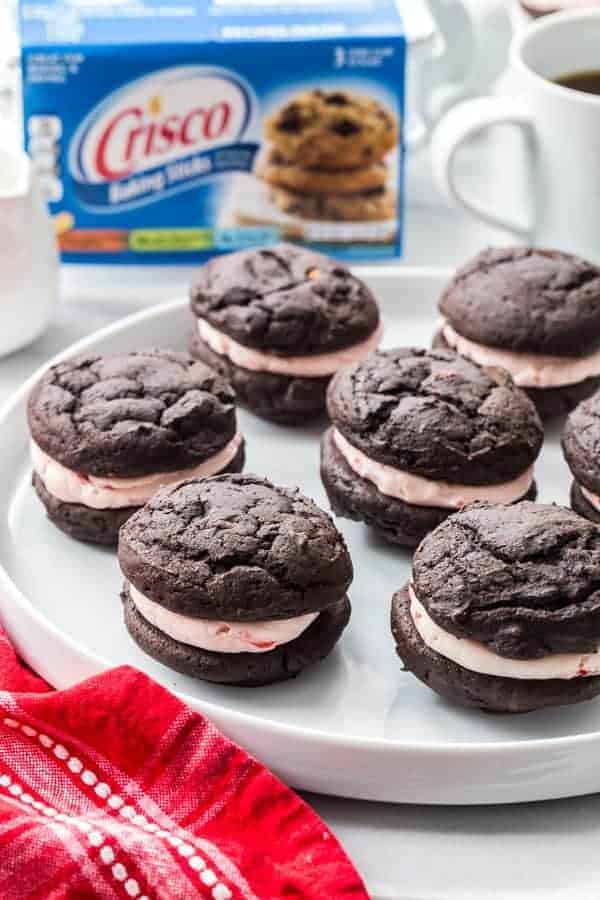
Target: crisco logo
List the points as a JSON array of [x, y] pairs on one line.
[[163, 117]]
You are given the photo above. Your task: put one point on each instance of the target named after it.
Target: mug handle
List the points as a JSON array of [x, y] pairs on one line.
[[465, 121]]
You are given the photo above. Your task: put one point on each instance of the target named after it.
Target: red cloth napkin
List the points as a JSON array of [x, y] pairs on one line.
[[115, 789]]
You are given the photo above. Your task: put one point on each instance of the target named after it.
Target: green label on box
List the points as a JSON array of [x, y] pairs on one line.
[[165, 240]]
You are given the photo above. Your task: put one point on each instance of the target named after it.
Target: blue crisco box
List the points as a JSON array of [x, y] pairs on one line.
[[145, 122]]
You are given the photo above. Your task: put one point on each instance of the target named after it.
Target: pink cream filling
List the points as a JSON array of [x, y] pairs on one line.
[[418, 491], [317, 366], [117, 493], [476, 657], [531, 370], [221, 637], [592, 498]]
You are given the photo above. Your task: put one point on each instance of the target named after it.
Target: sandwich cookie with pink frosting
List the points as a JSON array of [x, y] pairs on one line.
[[108, 431], [535, 313], [581, 448], [233, 580], [278, 322], [418, 434], [503, 608]]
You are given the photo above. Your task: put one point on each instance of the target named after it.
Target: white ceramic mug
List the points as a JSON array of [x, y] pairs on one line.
[[28, 254], [562, 131]]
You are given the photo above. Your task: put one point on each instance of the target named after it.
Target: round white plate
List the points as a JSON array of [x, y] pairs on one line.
[[356, 725]]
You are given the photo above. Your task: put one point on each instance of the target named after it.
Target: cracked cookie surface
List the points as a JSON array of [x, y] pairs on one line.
[[435, 414], [285, 300], [527, 300], [581, 443], [523, 579], [332, 130], [131, 414], [235, 547]]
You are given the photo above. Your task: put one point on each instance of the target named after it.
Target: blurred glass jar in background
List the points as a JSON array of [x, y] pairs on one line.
[[28, 252], [9, 62]]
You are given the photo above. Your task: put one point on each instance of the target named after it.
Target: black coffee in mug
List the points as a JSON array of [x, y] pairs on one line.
[[587, 82]]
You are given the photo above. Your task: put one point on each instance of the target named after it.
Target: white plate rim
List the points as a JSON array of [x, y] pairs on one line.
[[225, 714]]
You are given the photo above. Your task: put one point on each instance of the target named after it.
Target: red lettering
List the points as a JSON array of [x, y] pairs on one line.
[[217, 120], [101, 161], [169, 131], [185, 136], [152, 138], [149, 145], [132, 139]]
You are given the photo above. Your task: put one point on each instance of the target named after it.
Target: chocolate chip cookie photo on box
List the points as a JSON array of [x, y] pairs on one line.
[[503, 609], [534, 312], [581, 448], [366, 206], [325, 158], [278, 171], [417, 434], [108, 431], [233, 580], [278, 322], [332, 130]]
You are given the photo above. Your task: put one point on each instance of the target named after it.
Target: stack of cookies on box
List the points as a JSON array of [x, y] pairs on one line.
[[325, 157]]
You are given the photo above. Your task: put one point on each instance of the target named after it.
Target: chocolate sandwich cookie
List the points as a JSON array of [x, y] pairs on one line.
[[367, 206], [108, 431], [503, 610], [581, 446], [277, 323], [231, 579], [534, 312], [278, 171], [418, 434], [332, 130]]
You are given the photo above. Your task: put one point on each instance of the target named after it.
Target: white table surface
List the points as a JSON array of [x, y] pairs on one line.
[[543, 851]]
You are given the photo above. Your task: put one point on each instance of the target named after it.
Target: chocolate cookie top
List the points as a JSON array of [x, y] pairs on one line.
[[332, 130], [523, 579], [581, 443], [131, 414], [285, 300], [528, 300], [235, 547], [435, 414]]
